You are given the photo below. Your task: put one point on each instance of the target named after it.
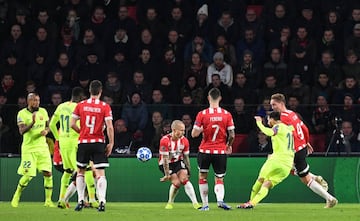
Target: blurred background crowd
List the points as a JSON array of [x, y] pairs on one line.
[[157, 60]]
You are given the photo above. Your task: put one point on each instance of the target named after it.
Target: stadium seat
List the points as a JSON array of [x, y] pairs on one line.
[[132, 13], [240, 144], [318, 141], [257, 8]]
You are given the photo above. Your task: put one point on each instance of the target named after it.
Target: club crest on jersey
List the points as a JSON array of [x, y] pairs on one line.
[[163, 148], [41, 118]]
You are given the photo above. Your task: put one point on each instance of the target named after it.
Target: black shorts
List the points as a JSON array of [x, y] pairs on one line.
[[174, 167], [218, 162], [94, 152], [301, 166]]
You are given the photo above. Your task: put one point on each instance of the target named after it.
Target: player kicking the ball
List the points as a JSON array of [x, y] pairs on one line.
[[174, 162]]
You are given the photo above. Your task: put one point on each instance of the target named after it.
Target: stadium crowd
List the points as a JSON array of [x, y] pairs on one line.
[[159, 58]]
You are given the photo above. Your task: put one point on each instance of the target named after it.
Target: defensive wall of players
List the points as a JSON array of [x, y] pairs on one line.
[[131, 180]]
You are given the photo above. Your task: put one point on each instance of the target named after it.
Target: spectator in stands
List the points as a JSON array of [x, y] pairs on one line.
[[322, 86], [178, 22], [153, 131], [63, 64], [220, 67], [192, 88], [303, 55], [6, 139], [302, 110], [260, 144], [194, 142], [147, 41], [352, 64], [89, 43], [16, 69], [98, 22], [353, 41], [201, 46], [120, 41], [120, 65], [53, 102], [154, 24], [9, 88], [114, 87], [283, 43], [329, 66], [202, 23], [171, 67], [251, 70], [149, 66], [30, 87], [224, 89], [23, 19], [135, 115], [278, 67], [57, 84], [252, 21], [251, 42], [333, 22], [331, 44], [350, 23], [270, 87], [176, 44], [196, 67], [81, 8], [241, 89], [299, 89], [4, 8], [226, 26], [122, 137], [124, 21], [158, 104], [38, 71], [349, 86], [72, 21], [92, 67], [15, 44], [170, 92], [67, 44], [348, 111], [43, 20], [264, 109], [243, 119], [311, 22], [186, 7], [186, 106], [138, 85], [277, 19], [322, 116], [350, 142], [227, 49]]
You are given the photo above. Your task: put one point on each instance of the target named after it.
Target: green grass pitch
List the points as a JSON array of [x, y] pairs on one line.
[[31, 211]]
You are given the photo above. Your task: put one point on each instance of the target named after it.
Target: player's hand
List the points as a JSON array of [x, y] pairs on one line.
[[165, 178], [228, 149], [108, 149], [44, 132], [310, 149], [258, 118]]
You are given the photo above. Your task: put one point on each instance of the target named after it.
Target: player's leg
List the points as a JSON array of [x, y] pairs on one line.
[[70, 191], [27, 169], [219, 164], [189, 188], [100, 163], [90, 185], [173, 190], [204, 165], [302, 169], [44, 164], [82, 158], [256, 187]]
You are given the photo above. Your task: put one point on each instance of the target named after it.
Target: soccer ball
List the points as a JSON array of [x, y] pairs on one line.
[[144, 154]]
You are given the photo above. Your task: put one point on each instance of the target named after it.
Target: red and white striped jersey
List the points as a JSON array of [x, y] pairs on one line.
[[174, 148], [300, 132], [92, 114], [215, 122]]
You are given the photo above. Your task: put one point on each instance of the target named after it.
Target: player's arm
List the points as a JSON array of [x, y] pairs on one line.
[[187, 161], [166, 160], [267, 131], [110, 135], [230, 141], [23, 128], [46, 130], [73, 124], [52, 125]]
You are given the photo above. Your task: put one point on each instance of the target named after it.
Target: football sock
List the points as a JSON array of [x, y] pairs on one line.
[[65, 179], [219, 190], [189, 190], [255, 189], [319, 190], [70, 191], [48, 185], [90, 184], [80, 186], [23, 182], [173, 191], [101, 188], [204, 190], [260, 195]]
